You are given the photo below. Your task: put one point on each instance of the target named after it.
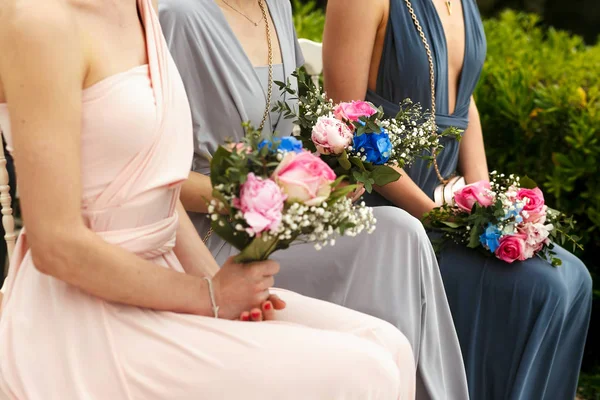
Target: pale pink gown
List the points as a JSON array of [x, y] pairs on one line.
[[57, 342]]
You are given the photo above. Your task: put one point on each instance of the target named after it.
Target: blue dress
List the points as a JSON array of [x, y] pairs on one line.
[[522, 327]]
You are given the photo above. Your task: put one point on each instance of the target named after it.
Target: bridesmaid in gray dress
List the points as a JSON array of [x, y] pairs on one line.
[[522, 327], [392, 273]]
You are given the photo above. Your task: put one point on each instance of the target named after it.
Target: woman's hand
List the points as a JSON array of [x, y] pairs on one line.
[[266, 312], [243, 287]]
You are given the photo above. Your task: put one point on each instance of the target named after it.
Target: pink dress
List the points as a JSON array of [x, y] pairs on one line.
[[58, 342]]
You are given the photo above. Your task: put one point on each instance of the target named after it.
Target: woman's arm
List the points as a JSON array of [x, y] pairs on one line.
[[472, 163], [351, 29], [195, 193], [45, 111], [348, 60], [195, 258]]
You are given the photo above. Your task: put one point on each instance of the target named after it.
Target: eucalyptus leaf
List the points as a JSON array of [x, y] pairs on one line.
[[382, 175]]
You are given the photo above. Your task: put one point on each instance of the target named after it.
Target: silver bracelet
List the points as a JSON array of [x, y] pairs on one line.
[[211, 292]]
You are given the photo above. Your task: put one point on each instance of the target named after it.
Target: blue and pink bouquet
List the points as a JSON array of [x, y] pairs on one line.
[[507, 218], [269, 194], [355, 138]]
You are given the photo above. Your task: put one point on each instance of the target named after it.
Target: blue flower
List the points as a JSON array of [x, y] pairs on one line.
[[375, 146], [286, 144], [514, 213], [490, 238]]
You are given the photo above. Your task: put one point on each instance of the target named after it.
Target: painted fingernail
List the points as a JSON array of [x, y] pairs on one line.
[[245, 318], [255, 314], [267, 306]]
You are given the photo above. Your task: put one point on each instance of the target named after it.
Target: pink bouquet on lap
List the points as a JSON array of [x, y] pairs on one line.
[[269, 194], [507, 218]]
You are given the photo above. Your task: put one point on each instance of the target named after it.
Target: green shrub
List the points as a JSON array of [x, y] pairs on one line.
[[539, 100], [309, 19]]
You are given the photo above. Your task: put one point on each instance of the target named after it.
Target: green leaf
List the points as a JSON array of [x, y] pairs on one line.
[[341, 192], [528, 183], [343, 160], [338, 181], [219, 164], [474, 238], [451, 224], [358, 162], [227, 232], [257, 250], [382, 175]]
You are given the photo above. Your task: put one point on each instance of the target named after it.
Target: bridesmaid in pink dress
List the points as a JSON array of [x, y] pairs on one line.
[[101, 301]]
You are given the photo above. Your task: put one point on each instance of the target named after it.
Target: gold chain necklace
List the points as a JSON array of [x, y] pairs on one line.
[[243, 14], [263, 9], [431, 83]]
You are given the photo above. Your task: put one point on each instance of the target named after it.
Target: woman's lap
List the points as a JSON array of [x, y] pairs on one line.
[[317, 350], [515, 320]]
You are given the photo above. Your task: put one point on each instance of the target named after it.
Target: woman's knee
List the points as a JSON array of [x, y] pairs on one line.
[[394, 341], [404, 223], [561, 286]]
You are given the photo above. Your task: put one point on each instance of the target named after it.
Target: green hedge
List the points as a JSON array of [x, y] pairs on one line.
[[309, 19], [539, 100]]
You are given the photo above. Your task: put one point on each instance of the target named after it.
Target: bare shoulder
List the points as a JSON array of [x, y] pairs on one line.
[[372, 10], [31, 20], [372, 6], [32, 32]]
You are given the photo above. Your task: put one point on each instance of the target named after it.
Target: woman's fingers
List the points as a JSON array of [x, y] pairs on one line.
[[256, 315], [277, 303], [245, 316], [268, 311]]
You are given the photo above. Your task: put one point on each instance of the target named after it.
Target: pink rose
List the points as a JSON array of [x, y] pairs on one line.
[[478, 192], [331, 136], [535, 234], [512, 248], [354, 110], [261, 201], [534, 208], [304, 178]]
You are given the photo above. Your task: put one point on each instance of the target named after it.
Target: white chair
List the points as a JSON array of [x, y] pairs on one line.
[[313, 57], [8, 221]]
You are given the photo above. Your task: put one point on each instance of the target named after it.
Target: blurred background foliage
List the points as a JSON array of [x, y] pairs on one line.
[[539, 100]]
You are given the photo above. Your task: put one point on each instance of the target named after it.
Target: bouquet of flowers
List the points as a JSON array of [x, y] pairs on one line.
[[355, 139], [507, 218], [271, 193]]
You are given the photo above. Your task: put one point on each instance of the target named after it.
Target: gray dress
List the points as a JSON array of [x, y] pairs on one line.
[[522, 327], [391, 274]]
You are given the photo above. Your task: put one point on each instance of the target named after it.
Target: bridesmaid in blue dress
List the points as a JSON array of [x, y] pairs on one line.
[[522, 327]]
